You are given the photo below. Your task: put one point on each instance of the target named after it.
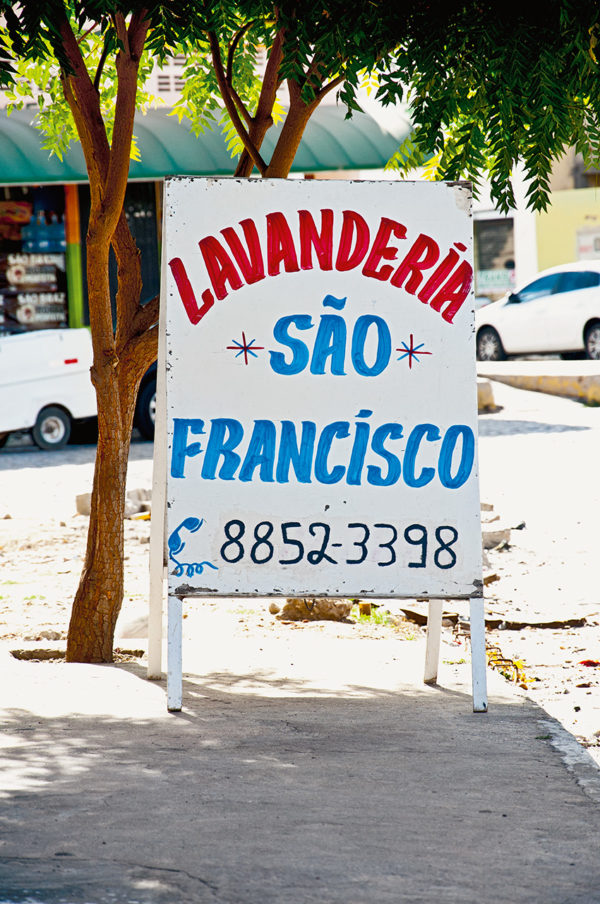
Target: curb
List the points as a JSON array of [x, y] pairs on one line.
[[580, 381]]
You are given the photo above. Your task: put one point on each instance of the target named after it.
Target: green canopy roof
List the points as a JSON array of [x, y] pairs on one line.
[[168, 148]]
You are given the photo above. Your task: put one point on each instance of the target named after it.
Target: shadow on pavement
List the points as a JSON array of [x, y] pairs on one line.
[[261, 792], [489, 427]]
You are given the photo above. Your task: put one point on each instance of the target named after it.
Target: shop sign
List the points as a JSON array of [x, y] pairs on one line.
[[32, 291], [321, 393]]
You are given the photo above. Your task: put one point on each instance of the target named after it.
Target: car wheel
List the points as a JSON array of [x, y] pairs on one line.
[[146, 410], [489, 345], [592, 342], [52, 428]]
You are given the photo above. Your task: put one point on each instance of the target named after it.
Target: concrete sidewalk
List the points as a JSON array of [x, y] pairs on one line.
[[305, 767]]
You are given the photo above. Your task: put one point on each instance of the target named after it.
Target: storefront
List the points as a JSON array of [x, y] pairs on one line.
[[33, 284], [44, 202]]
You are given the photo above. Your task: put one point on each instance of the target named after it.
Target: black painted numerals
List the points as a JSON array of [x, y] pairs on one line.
[[416, 535], [232, 551], [448, 560], [262, 549], [316, 556], [290, 542], [361, 543], [389, 545]]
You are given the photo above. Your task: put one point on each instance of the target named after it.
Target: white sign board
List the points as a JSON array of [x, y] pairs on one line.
[[321, 392]]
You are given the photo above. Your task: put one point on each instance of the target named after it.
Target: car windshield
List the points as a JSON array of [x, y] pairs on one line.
[[545, 285]]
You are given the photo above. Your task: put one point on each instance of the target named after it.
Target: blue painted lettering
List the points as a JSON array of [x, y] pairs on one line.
[[330, 343], [417, 434], [384, 345], [359, 449], [181, 449], [261, 452], [300, 457], [225, 435], [322, 474], [374, 475], [467, 456], [302, 453], [299, 350]]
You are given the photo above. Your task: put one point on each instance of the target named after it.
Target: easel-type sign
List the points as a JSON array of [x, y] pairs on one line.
[[321, 395]]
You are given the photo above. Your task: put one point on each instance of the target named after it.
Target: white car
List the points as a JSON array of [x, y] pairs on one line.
[[45, 386], [558, 312]]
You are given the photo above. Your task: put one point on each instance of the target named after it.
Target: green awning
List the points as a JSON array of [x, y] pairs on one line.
[[168, 148]]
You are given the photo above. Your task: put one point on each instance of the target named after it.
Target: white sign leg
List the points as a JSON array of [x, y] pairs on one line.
[[159, 501], [157, 545], [478, 657], [434, 632], [174, 655]]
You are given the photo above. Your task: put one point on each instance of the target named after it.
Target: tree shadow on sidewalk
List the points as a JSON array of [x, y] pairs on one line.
[[263, 791]]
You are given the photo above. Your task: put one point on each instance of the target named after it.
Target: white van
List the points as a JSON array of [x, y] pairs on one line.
[[45, 384]]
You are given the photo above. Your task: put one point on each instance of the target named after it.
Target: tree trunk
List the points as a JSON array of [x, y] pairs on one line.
[[119, 359], [116, 374], [98, 599], [289, 140]]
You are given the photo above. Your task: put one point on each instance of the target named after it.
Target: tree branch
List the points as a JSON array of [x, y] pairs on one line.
[[83, 36], [230, 104], [122, 31], [146, 316], [127, 71], [101, 63], [241, 106], [263, 118], [84, 103], [141, 352], [338, 80], [233, 47], [129, 280]]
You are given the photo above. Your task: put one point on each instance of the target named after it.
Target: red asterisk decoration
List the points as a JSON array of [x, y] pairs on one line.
[[411, 351], [245, 348]]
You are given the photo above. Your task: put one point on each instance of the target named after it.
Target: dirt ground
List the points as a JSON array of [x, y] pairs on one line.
[[543, 575]]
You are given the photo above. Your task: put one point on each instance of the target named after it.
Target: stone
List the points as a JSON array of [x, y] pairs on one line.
[[315, 609], [50, 635], [274, 608], [138, 500], [485, 396], [131, 507], [83, 503], [493, 538], [139, 495]]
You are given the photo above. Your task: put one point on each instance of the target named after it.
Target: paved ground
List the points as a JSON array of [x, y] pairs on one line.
[[310, 763], [292, 775]]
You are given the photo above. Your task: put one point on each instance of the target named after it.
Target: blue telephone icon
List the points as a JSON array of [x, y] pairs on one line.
[[176, 545], [175, 542]]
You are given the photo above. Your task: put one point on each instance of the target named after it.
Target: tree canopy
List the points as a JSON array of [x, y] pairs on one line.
[[489, 84], [493, 84]]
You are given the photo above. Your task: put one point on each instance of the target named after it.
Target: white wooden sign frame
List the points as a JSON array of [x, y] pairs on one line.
[[327, 444]]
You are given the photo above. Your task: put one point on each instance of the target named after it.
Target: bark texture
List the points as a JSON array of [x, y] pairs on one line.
[[121, 353]]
